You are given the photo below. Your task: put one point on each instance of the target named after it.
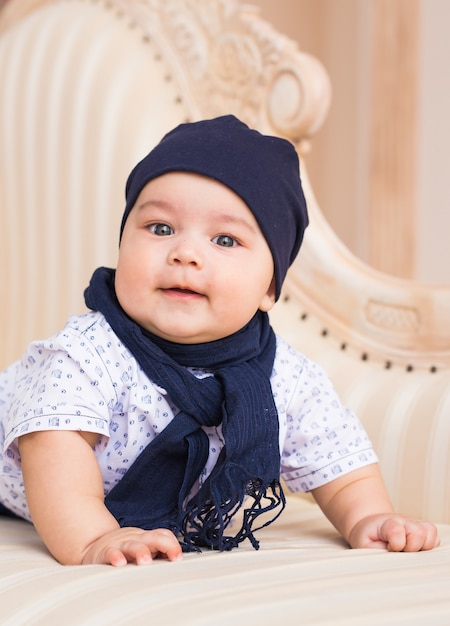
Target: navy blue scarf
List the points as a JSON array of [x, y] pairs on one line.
[[153, 493]]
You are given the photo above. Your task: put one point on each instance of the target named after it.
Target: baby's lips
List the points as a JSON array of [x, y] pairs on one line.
[[184, 290]]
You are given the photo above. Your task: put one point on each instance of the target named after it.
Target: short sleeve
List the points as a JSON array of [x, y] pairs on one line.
[[61, 384], [322, 439]]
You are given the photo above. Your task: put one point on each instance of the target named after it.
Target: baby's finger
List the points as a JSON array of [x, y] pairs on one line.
[[137, 551], [393, 533], [408, 536], [421, 536], [115, 557], [163, 542]]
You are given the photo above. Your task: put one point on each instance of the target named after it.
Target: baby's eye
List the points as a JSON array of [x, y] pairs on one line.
[[162, 230], [225, 240]]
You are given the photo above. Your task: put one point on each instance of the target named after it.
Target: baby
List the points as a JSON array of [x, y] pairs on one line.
[[142, 427]]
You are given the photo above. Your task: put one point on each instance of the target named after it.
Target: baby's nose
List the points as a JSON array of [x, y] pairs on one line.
[[186, 252]]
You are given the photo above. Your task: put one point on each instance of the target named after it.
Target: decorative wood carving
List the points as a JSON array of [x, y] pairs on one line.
[[396, 319], [237, 63]]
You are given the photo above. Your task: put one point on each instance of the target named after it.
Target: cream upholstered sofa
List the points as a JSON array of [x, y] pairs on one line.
[[86, 88]]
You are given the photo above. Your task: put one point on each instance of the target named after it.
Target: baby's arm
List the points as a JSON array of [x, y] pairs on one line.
[[64, 490], [359, 507]]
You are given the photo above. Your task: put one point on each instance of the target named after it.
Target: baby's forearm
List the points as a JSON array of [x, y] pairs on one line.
[[359, 507], [64, 492], [356, 496]]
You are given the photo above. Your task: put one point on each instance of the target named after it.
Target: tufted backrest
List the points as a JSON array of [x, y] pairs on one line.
[[84, 95], [87, 87]]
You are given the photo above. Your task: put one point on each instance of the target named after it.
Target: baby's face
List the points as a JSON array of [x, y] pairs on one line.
[[193, 263]]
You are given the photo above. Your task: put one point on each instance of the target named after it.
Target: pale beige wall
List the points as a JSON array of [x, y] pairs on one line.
[[331, 30], [339, 33], [338, 162], [433, 158]]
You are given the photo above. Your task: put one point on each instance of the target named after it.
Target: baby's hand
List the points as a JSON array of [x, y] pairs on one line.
[[394, 533], [133, 545]]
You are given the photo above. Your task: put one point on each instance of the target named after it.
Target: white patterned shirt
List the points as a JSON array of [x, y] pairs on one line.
[[85, 379]]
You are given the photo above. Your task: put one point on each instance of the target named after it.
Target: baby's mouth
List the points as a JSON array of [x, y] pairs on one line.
[[182, 291]]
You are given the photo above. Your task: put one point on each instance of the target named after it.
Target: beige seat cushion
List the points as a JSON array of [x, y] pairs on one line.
[[303, 573]]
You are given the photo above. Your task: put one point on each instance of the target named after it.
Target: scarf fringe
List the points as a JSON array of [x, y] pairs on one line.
[[203, 526]]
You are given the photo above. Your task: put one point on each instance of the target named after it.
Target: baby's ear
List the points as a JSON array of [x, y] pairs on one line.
[[268, 300]]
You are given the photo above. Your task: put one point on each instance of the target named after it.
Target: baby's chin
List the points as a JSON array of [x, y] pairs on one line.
[[174, 335]]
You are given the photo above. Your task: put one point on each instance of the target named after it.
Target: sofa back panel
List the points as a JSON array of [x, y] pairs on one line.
[[405, 410]]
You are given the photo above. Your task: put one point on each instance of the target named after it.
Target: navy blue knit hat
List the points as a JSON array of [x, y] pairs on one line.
[[262, 170]]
